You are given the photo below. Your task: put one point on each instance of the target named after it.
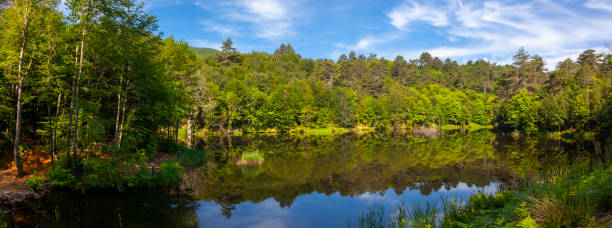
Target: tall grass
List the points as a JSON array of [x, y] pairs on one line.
[[421, 215], [253, 157]]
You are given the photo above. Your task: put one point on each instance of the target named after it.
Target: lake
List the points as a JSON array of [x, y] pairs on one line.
[[318, 181]]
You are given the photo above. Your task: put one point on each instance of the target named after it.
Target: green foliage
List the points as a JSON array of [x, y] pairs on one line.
[[528, 223], [34, 183], [60, 176], [192, 157], [170, 172], [519, 113], [101, 173]]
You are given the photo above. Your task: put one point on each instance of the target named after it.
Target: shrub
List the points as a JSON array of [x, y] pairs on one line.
[[101, 173], [192, 157], [142, 178], [170, 172], [527, 223], [34, 183], [60, 176]]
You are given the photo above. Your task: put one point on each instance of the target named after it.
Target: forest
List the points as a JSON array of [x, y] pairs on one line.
[[101, 79], [97, 89]]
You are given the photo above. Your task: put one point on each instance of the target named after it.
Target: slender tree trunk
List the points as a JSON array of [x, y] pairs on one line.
[[122, 120], [53, 139], [189, 132], [68, 140], [76, 103], [118, 106], [24, 34]]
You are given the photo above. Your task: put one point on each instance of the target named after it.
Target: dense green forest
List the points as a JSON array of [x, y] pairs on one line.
[[100, 79]]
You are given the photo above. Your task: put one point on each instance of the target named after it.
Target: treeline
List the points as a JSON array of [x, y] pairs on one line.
[[257, 91], [99, 78]]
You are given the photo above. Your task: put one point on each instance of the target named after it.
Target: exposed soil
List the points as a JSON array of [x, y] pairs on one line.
[[12, 188]]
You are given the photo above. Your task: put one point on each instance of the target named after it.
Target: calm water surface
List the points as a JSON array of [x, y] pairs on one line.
[[311, 181]]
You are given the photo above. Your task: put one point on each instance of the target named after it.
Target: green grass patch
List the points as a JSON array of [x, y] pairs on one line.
[[469, 127], [318, 131], [253, 157]]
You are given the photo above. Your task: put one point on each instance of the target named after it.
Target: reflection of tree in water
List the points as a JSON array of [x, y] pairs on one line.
[[228, 204], [353, 165]]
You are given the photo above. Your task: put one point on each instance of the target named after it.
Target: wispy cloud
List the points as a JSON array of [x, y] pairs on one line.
[[492, 27], [226, 30], [268, 19], [599, 4], [413, 11]]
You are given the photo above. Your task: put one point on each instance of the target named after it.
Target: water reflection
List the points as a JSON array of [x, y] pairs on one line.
[[313, 181]]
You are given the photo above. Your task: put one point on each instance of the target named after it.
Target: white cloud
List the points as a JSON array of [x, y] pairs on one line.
[[498, 27], [269, 19], [411, 11], [599, 4], [226, 30]]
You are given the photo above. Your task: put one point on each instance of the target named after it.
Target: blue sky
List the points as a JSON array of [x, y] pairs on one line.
[[459, 29]]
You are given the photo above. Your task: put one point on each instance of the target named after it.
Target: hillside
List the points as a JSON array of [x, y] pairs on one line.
[[204, 51]]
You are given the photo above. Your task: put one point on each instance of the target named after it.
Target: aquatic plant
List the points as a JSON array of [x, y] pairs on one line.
[[253, 157]]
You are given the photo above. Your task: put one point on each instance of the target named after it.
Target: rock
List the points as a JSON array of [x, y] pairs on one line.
[[11, 199]]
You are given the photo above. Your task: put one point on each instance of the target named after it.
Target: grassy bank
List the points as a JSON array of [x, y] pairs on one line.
[[574, 197], [119, 173], [469, 127]]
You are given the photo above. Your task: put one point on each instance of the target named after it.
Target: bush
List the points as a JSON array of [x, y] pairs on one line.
[[192, 157], [101, 173], [60, 176], [34, 183], [142, 178], [170, 172]]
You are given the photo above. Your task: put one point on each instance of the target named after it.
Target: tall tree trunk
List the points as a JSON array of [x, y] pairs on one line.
[[68, 140], [118, 107], [53, 139], [122, 118], [24, 34], [76, 103], [189, 132]]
